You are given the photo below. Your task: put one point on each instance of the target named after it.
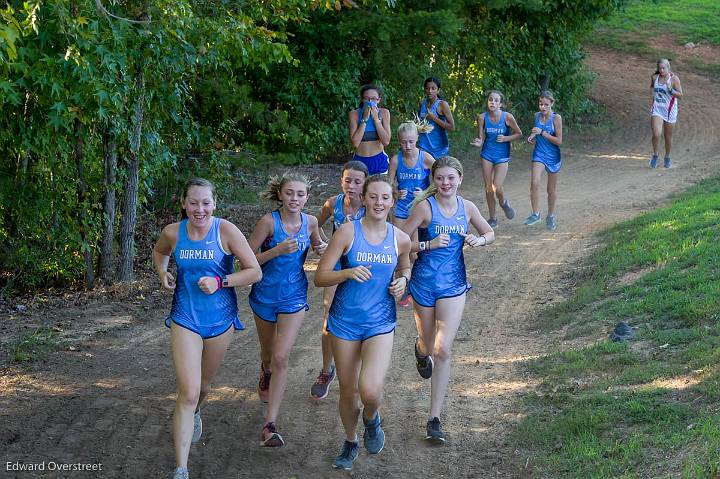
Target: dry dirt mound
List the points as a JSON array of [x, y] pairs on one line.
[[110, 398]]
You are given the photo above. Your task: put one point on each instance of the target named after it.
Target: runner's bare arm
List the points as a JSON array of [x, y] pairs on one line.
[[234, 241]]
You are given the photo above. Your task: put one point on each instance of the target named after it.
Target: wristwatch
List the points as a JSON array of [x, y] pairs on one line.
[[225, 282]]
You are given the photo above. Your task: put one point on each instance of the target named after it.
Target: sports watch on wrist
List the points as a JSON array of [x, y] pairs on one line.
[[225, 282]]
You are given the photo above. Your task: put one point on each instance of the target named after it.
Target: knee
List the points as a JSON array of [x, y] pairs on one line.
[[189, 395], [441, 353], [498, 190], [489, 189], [280, 360], [371, 394], [349, 394]]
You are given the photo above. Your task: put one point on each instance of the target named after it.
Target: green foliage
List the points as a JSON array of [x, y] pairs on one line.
[[615, 409], [272, 81]]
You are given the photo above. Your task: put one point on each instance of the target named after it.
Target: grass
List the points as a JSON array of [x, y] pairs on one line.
[[645, 408], [634, 29], [34, 345], [691, 20]]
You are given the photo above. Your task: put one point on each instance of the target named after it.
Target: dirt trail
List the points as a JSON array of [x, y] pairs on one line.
[[110, 400]]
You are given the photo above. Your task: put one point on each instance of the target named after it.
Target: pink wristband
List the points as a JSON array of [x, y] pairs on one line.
[[219, 281]]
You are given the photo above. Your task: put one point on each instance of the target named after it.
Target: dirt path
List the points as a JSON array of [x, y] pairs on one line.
[[110, 399]]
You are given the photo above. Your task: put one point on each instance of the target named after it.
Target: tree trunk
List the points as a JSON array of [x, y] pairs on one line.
[[132, 164], [544, 82], [110, 160], [79, 156]]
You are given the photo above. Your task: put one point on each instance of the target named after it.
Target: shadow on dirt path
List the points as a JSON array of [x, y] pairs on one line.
[[109, 399]]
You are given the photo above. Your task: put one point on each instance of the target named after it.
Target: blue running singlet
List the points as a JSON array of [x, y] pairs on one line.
[[440, 272], [545, 152], [408, 179], [339, 216], [360, 311], [207, 315], [493, 151], [283, 287], [436, 142]]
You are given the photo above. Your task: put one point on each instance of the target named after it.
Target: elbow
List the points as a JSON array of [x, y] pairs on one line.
[[489, 237], [318, 280], [257, 275], [451, 127]]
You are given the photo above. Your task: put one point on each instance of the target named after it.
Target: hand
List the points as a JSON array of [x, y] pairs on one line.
[[289, 246], [402, 194], [366, 112], [398, 286], [320, 248], [502, 139], [167, 280], [208, 284], [531, 139], [431, 116], [440, 241], [477, 142], [472, 240], [417, 191], [359, 273], [375, 112], [536, 131]]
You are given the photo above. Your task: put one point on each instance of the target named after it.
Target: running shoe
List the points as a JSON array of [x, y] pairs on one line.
[[347, 456], [532, 219], [374, 438], [181, 473], [434, 432], [264, 384], [492, 222], [269, 437], [550, 223], [667, 162], [320, 389], [424, 364], [197, 428], [654, 161], [508, 210]]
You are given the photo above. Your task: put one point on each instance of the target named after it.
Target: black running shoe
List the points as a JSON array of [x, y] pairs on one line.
[[424, 364], [434, 432]]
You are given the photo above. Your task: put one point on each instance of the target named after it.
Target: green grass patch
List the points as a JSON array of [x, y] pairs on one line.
[[645, 408], [35, 345], [691, 20], [635, 28]]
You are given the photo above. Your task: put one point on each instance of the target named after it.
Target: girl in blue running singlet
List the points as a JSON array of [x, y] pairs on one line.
[[204, 310], [362, 318], [281, 240], [438, 283], [409, 169], [347, 206], [369, 128], [494, 128], [666, 91], [437, 112], [548, 136]]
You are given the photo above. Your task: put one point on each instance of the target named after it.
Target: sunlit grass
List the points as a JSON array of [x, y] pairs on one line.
[[644, 408]]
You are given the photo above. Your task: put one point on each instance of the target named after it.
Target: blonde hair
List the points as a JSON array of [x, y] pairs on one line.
[[200, 182], [408, 127], [276, 183], [662, 61], [547, 94], [445, 161]]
